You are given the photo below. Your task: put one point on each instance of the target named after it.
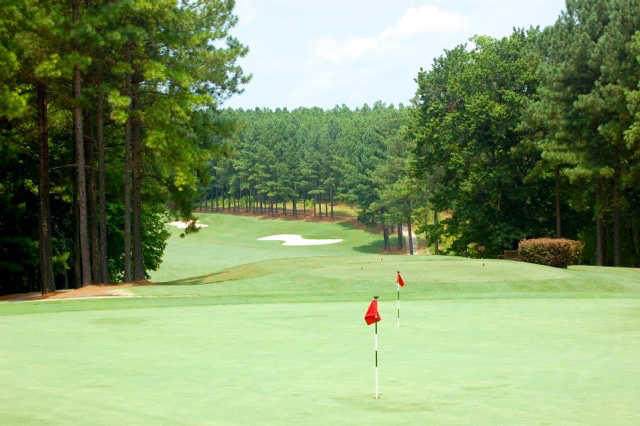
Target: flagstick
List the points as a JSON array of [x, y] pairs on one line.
[[376, 347], [398, 284], [398, 304], [376, 352]]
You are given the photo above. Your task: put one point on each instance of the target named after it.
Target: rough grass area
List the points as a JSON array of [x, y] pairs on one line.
[[250, 332]]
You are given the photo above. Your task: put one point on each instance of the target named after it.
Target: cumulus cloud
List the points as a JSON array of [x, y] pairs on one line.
[[427, 19]]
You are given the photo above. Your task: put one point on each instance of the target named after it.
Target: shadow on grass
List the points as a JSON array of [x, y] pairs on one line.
[[251, 270], [377, 246], [254, 270]]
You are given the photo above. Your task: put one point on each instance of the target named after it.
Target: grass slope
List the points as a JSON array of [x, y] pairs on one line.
[[247, 332]]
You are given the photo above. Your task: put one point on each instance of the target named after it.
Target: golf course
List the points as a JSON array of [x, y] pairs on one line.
[[238, 330]]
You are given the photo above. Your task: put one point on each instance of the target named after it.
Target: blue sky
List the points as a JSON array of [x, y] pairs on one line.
[[305, 53]]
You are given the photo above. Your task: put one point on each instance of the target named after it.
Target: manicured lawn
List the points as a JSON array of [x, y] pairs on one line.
[[251, 332]]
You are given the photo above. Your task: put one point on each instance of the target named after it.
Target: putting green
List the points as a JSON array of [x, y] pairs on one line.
[[520, 361], [252, 332]]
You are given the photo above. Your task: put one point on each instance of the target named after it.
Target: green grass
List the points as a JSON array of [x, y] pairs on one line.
[[250, 332]]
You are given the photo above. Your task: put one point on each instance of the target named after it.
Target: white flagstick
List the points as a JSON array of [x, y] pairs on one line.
[[376, 348], [376, 352], [398, 284], [398, 303]]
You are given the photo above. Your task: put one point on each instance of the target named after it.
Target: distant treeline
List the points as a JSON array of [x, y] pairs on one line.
[[536, 134]]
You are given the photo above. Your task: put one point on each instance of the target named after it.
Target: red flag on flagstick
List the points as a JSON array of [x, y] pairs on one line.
[[399, 280], [372, 315]]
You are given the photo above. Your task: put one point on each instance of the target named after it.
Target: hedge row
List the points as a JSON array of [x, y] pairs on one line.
[[558, 252]]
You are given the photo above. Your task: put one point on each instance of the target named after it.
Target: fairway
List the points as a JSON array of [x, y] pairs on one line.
[[242, 331]]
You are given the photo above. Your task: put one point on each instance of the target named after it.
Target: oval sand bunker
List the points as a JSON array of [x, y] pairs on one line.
[[297, 240]]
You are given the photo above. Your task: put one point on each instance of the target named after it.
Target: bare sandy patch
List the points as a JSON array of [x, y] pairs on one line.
[[86, 292], [297, 240]]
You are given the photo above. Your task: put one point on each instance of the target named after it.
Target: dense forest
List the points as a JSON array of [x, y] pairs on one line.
[[112, 120], [100, 132], [308, 159]]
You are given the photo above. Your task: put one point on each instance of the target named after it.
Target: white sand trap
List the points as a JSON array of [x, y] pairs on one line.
[[297, 240], [183, 225]]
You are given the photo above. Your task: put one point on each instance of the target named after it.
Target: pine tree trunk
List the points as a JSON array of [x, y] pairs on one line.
[[102, 195], [558, 209], [400, 237], [77, 264], [331, 196], [410, 237], [605, 244], [436, 240], [127, 180], [385, 235], [599, 253], [46, 261], [136, 180], [81, 181], [617, 258], [92, 199]]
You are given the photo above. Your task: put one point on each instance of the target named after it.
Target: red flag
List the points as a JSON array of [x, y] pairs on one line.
[[399, 280], [372, 315]]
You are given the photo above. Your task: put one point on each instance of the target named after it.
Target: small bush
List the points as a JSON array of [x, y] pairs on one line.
[[558, 252]]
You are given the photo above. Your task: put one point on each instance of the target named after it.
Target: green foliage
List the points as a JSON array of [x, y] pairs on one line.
[[556, 252], [181, 59], [154, 241], [583, 122], [468, 149], [308, 156]]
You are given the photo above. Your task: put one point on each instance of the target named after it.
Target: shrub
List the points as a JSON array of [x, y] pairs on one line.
[[558, 252]]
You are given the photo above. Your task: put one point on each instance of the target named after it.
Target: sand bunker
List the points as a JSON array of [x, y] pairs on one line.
[[297, 240], [183, 225]]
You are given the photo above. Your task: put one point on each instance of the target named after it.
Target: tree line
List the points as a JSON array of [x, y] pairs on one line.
[[111, 116], [303, 161], [101, 131], [536, 134], [531, 135]]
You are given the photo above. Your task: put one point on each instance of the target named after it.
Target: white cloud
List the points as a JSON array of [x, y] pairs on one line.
[[415, 21], [425, 19]]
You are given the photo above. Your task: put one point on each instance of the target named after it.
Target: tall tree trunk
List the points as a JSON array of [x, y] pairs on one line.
[[599, 245], [127, 179], [436, 239], [558, 209], [46, 261], [136, 164], [331, 196], [427, 237], [605, 244], [400, 237], [102, 194], [77, 264], [410, 236], [81, 180], [617, 256], [92, 199], [385, 235]]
